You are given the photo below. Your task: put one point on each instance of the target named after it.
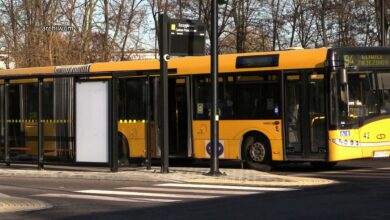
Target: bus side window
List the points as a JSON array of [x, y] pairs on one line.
[[257, 97], [202, 98]]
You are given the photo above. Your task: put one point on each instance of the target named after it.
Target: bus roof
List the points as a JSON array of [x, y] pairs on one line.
[[291, 59], [28, 71]]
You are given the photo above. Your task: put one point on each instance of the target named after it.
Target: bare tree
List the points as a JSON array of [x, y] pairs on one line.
[[277, 20], [378, 13], [242, 13], [130, 25], [106, 30]]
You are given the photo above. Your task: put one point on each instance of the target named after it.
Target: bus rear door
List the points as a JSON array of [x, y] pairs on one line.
[[179, 116]]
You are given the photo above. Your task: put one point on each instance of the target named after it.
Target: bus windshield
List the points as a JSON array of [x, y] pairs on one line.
[[364, 96]]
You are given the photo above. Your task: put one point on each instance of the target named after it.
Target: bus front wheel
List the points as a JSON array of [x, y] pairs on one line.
[[256, 153]]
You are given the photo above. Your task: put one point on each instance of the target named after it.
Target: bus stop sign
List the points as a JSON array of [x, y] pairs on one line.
[[186, 37]]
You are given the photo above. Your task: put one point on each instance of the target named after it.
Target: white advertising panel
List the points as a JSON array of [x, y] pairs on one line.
[[92, 122]]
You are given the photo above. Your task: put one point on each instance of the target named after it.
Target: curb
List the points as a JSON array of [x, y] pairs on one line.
[[17, 204], [177, 175]]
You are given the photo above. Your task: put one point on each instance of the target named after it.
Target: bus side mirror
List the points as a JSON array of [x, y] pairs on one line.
[[343, 76]]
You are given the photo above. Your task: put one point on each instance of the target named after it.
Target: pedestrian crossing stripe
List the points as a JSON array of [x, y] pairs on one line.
[[207, 186], [87, 197], [104, 198], [131, 193], [163, 193], [200, 191]]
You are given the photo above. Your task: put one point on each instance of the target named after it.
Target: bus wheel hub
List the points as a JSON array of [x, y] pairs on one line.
[[257, 152]]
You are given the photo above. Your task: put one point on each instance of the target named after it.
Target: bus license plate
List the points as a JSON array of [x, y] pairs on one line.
[[381, 154]]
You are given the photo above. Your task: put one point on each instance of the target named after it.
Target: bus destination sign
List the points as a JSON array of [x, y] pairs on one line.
[[367, 60], [186, 37]]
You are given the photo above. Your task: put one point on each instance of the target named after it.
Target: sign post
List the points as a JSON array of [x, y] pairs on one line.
[[177, 38], [214, 118], [164, 57]]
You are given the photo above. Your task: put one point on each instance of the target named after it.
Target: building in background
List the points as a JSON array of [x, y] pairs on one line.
[[6, 62]]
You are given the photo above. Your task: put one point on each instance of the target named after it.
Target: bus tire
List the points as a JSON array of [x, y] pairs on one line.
[[256, 153], [322, 165]]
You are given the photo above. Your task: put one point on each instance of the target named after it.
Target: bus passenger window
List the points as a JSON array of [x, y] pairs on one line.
[[132, 99], [225, 102], [202, 98], [257, 97], [239, 97]]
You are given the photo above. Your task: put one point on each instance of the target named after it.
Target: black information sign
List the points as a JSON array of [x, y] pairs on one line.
[[367, 60], [186, 37]]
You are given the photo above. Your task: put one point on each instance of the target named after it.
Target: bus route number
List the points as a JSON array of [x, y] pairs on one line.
[[366, 135]]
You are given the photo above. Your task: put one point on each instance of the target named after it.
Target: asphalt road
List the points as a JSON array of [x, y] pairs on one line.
[[362, 192]]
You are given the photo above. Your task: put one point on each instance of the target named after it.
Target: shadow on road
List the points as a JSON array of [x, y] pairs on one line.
[[331, 202]]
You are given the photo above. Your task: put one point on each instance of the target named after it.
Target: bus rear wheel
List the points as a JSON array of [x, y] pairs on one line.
[[256, 153]]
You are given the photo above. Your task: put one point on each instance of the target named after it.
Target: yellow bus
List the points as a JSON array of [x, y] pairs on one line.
[[316, 105], [311, 105]]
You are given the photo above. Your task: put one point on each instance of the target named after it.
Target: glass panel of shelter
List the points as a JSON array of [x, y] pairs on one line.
[[58, 119], [132, 118], [23, 120]]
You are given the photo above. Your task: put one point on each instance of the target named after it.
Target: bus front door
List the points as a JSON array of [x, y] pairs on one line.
[[304, 113]]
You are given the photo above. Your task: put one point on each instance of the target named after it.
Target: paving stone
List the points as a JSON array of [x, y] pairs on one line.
[[16, 204]]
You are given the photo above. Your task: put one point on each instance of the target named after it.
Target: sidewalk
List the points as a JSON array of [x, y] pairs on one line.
[[243, 177]]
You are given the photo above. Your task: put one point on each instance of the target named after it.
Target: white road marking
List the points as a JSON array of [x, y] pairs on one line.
[[158, 200], [349, 171], [384, 168], [175, 191], [206, 186], [89, 197], [201, 191], [332, 172], [127, 193], [361, 170], [104, 198]]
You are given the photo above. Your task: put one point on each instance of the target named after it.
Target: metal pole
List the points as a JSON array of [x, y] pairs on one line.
[[6, 124], [114, 123], [148, 147], [164, 137], [214, 162], [40, 124], [383, 31]]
